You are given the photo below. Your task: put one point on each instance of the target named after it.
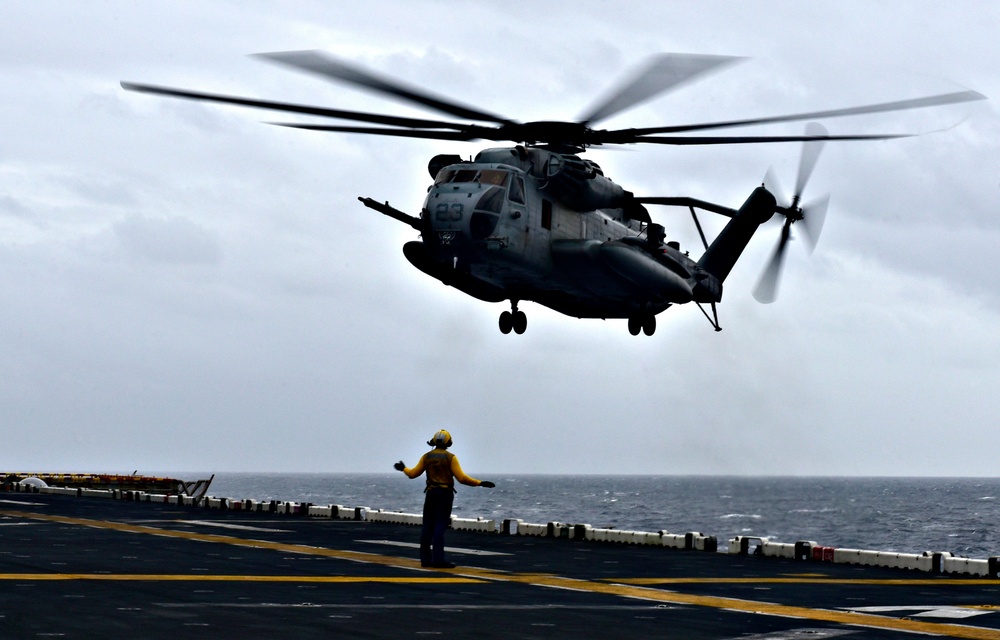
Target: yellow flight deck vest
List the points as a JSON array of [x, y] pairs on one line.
[[442, 469]]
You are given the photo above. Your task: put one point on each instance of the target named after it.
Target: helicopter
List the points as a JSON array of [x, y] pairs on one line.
[[538, 222]]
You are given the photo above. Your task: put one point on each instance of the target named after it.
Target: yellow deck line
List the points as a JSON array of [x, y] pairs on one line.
[[813, 580], [608, 588], [183, 577], [356, 556]]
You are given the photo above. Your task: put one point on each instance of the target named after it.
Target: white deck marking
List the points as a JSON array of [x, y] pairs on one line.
[[926, 611], [225, 525], [413, 545]]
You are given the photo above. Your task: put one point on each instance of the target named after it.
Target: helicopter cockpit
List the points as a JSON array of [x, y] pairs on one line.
[[496, 177], [485, 190]]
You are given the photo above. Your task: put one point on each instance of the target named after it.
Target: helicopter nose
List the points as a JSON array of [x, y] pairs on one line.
[[449, 211], [471, 212]]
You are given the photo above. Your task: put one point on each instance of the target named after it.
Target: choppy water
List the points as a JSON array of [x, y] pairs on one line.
[[911, 515]]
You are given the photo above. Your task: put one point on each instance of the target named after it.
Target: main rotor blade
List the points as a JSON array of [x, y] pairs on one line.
[[373, 118], [810, 154], [328, 67], [399, 133], [898, 105], [663, 72], [706, 140]]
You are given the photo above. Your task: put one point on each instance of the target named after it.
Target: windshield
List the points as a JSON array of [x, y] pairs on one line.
[[493, 176], [496, 177]]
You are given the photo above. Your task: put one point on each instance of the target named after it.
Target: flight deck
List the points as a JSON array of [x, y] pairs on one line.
[[73, 566]]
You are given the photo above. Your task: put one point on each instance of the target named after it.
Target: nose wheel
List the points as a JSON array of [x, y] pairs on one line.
[[513, 320], [645, 322]]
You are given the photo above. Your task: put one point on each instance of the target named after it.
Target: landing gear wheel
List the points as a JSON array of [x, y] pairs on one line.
[[644, 322], [520, 322], [513, 320], [649, 324], [634, 325], [506, 322]]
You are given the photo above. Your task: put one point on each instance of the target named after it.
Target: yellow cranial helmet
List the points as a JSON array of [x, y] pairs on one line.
[[440, 439]]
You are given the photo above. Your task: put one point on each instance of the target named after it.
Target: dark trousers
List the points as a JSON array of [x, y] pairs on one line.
[[437, 517]]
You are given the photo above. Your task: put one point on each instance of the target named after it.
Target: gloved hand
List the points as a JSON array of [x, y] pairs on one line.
[[399, 466], [487, 484]]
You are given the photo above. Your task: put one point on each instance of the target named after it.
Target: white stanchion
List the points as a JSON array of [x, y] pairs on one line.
[[57, 491], [965, 566], [706, 543], [96, 493], [344, 513], [394, 517], [468, 524], [650, 539], [777, 549], [317, 511], [912, 561], [599, 534], [529, 529], [846, 556], [510, 526], [673, 540]]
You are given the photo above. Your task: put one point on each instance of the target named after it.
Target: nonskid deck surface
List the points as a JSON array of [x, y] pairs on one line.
[[92, 568]]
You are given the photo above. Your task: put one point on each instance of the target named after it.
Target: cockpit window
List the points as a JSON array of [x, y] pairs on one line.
[[444, 175], [491, 201], [464, 175], [516, 192], [493, 176]]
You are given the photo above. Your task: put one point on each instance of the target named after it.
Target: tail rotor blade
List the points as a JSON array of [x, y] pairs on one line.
[[813, 217], [810, 154], [771, 184], [766, 290]]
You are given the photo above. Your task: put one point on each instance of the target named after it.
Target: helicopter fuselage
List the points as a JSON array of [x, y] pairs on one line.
[[534, 224]]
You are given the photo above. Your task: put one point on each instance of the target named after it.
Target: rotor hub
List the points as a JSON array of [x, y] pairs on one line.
[[565, 137]]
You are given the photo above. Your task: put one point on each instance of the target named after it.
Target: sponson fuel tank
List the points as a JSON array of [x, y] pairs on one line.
[[619, 260], [643, 270]]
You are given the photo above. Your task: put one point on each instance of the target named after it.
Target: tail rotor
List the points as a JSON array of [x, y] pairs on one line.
[[811, 215]]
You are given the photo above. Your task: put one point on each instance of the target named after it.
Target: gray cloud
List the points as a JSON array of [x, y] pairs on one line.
[[167, 241], [187, 288]]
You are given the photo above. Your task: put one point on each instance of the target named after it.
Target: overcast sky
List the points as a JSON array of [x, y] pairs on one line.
[[185, 288]]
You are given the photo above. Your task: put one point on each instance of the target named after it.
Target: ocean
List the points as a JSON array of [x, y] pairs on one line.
[[908, 515]]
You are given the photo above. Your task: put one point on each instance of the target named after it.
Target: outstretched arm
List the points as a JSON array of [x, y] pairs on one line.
[[410, 473], [456, 470]]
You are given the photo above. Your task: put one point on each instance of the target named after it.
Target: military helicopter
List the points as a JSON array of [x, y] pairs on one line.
[[537, 222]]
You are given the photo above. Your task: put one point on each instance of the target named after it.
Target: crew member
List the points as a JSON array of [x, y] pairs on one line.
[[442, 469]]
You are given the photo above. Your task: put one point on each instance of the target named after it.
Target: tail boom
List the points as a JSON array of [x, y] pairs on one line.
[[726, 249]]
